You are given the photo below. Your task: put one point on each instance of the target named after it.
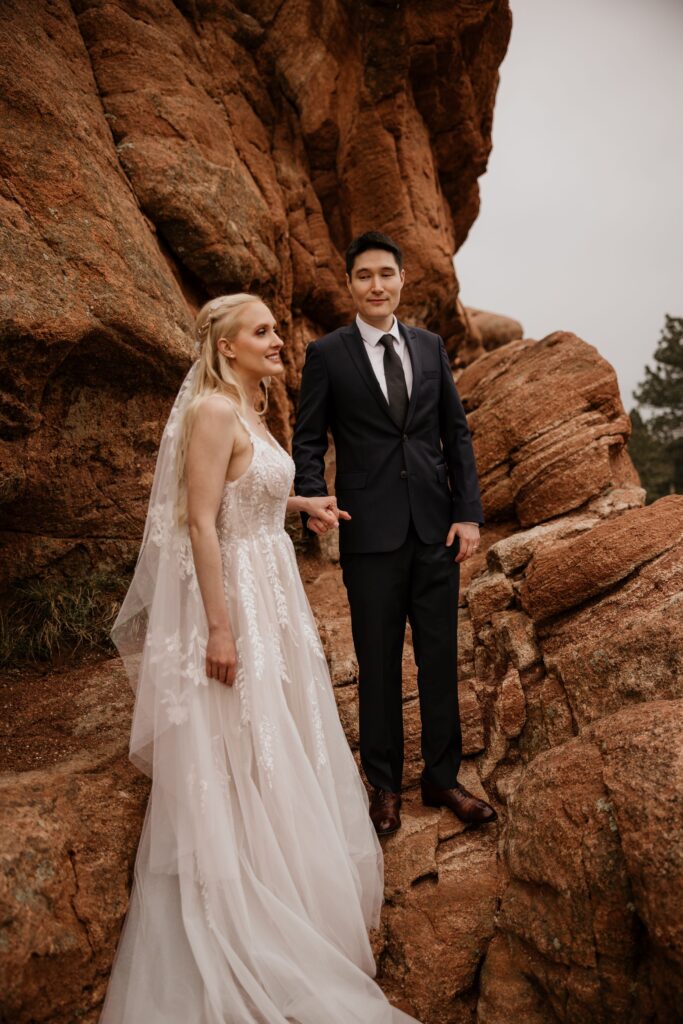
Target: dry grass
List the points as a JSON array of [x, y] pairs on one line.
[[49, 617]]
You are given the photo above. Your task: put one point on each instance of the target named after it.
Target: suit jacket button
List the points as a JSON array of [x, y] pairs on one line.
[[404, 437], [404, 474]]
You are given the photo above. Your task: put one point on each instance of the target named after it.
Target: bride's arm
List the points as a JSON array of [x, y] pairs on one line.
[[208, 455]]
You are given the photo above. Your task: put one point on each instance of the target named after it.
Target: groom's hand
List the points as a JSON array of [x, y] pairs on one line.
[[469, 539], [323, 514], [318, 526]]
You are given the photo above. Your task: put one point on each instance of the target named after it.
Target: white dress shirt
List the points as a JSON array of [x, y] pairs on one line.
[[371, 336]]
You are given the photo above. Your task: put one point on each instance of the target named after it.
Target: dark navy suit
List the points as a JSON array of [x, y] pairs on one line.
[[403, 484]]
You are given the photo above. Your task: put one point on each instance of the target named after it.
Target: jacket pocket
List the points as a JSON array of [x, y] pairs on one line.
[[431, 374], [350, 481]]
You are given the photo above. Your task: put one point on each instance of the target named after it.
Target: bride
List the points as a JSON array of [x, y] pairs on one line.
[[258, 870]]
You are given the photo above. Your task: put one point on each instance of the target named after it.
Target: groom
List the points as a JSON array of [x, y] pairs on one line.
[[407, 480]]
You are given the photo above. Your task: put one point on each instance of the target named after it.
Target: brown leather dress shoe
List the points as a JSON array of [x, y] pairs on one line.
[[384, 811], [464, 804]]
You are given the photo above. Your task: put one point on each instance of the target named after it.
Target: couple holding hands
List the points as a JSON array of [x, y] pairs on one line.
[[259, 869]]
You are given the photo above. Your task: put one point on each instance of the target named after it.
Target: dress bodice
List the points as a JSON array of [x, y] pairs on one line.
[[256, 502]]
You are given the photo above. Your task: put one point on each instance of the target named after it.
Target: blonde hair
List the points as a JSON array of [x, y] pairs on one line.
[[219, 318]]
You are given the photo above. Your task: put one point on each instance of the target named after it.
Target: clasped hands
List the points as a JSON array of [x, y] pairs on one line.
[[324, 515]]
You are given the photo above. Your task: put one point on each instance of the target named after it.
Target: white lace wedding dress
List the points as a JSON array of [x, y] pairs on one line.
[[258, 870]]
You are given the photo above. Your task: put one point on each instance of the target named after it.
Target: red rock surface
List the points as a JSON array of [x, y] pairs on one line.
[[549, 425], [591, 913], [590, 802], [579, 675], [155, 154], [490, 330], [71, 808]]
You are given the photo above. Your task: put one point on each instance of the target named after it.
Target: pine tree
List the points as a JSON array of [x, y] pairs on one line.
[[650, 458], [657, 442]]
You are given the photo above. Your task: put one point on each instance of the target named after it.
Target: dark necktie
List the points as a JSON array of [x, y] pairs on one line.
[[396, 380]]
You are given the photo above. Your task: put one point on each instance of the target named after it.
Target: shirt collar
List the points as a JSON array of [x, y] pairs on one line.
[[371, 335]]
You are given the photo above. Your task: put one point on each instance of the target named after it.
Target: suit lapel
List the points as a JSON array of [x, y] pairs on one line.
[[416, 362], [356, 348]]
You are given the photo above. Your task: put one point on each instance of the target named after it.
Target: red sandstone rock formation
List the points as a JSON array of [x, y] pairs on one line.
[[579, 679], [571, 689], [157, 154], [72, 807], [490, 330], [590, 926], [550, 428]]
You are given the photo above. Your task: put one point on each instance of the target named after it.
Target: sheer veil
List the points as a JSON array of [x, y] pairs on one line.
[[161, 634], [161, 594]]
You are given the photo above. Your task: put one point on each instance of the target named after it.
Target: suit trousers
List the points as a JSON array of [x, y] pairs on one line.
[[417, 583]]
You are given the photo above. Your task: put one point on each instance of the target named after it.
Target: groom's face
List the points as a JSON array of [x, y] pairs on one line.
[[375, 285]]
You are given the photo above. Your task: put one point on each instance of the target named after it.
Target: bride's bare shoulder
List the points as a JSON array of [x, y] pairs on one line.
[[216, 423], [216, 409]]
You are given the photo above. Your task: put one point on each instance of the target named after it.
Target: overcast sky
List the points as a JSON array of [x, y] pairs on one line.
[[581, 221]]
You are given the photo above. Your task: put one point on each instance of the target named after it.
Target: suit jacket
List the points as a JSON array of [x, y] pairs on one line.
[[386, 472]]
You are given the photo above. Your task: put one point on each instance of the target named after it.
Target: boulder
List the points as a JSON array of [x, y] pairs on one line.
[[492, 329], [592, 604], [590, 923], [565, 575], [549, 427], [616, 648]]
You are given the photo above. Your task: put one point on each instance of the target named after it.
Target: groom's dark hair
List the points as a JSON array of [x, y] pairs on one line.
[[372, 240]]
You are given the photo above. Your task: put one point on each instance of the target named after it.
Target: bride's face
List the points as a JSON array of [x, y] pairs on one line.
[[254, 351]]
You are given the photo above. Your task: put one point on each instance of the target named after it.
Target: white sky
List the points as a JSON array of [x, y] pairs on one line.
[[581, 221]]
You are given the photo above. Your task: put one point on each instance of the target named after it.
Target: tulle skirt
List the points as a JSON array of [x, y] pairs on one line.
[[258, 871]]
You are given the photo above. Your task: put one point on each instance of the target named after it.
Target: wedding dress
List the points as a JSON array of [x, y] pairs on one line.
[[258, 870]]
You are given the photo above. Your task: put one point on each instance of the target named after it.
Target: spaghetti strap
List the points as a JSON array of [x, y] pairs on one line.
[[243, 420], [256, 437]]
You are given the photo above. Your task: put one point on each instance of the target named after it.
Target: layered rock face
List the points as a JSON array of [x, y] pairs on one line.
[[156, 154], [578, 673], [571, 696], [72, 808]]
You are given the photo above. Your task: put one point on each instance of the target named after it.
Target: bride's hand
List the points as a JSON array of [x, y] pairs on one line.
[[324, 514], [221, 656]]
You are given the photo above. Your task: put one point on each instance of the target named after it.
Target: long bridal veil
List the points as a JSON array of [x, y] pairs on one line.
[[160, 633]]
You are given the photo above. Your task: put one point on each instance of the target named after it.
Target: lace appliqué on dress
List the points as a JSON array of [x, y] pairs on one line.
[[176, 706], [266, 736], [183, 660]]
